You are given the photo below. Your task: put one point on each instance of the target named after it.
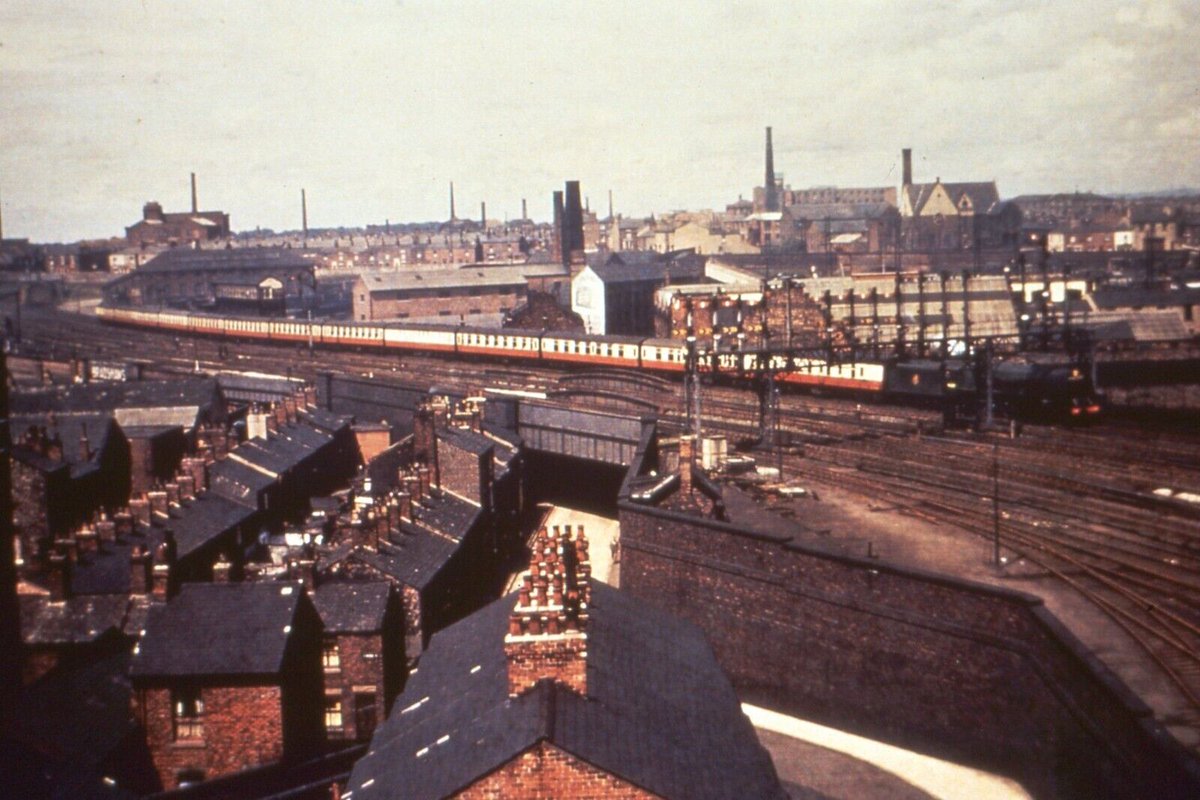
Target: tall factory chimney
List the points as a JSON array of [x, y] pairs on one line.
[[483, 213], [771, 198], [453, 216], [524, 209], [560, 249], [907, 156], [574, 219], [304, 215], [195, 206], [610, 205]]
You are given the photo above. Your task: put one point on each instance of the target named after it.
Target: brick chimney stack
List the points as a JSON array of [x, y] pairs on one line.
[[547, 633], [140, 565], [906, 155], [425, 439], [58, 577]]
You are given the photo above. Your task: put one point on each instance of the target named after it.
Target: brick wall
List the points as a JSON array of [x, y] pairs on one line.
[[361, 671], [462, 301], [243, 728], [945, 666], [545, 771], [466, 473]]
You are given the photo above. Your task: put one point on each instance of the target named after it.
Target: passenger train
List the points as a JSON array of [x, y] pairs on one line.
[[892, 381]]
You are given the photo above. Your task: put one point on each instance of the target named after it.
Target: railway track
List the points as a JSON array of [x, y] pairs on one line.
[[1077, 504]]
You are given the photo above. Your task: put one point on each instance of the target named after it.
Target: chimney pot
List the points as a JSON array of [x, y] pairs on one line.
[[89, 541], [160, 578]]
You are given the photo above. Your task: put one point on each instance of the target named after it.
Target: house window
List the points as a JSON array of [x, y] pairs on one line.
[[187, 713], [331, 659], [333, 713]]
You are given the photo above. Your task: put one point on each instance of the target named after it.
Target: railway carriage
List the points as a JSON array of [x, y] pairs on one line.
[[1044, 391]]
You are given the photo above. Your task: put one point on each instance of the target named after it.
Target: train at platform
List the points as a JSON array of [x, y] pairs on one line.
[[1036, 391]]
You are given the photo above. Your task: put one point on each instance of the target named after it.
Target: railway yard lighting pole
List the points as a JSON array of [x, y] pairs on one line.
[[996, 503]]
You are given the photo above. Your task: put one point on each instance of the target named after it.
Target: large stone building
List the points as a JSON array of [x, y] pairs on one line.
[[157, 227], [955, 216], [474, 294], [257, 280]]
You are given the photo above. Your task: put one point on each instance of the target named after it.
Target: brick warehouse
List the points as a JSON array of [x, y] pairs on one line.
[[938, 664]]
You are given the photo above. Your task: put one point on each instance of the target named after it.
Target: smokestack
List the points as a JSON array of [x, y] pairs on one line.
[[573, 221], [610, 205], [304, 214], [195, 206], [907, 156], [771, 200], [524, 210], [559, 244], [453, 216], [483, 214]]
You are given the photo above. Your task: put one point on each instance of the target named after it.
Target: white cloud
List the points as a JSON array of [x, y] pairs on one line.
[[374, 107]]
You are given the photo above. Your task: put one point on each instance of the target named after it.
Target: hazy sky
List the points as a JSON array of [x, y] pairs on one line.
[[374, 107]]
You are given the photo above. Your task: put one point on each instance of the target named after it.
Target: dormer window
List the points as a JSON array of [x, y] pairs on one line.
[[187, 714]]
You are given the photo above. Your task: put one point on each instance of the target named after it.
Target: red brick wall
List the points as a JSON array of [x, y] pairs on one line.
[[934, 663], [361, 665], [463, 473], [490, 300], [243, 728], [546, 773], [560, 657]]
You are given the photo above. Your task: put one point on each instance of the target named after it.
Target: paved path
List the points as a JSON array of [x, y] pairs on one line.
[[924, 775]]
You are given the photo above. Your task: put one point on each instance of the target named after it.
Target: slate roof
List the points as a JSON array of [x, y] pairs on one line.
[[474, 275], [181, 259], [238, 482], [659, 712], [109, 396], [76, 620], [204, 518], [219, 629], [352, 607], [70, 429], [629, 267], [983, 194], [466, 439], [414, 559], [446, 513], [107, 571], [48, 713]]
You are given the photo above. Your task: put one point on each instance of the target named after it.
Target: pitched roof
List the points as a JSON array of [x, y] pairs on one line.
[[472, 275], [181, 259], [219, 629], [110, 396], [465, 439], [627, 267], [76, 620], [203, 519], [983, 194], [659, 712], [352, 607]]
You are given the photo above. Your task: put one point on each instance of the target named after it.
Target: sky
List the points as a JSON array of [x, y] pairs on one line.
[[375, 107]]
